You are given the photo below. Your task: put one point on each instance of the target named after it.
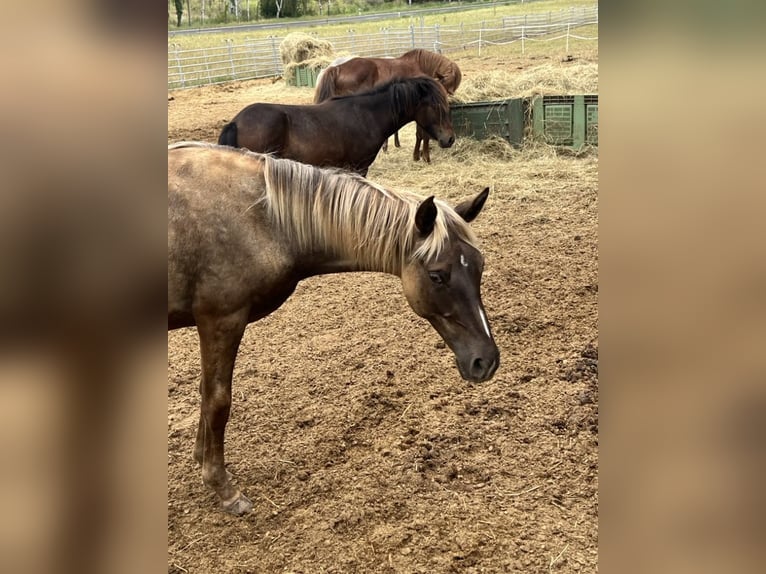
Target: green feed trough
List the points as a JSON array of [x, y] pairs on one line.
[[480, 120], [566, 120], [304, 76]]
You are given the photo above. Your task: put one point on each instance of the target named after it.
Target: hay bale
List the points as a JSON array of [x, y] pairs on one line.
[[540, 80], [298, 47]]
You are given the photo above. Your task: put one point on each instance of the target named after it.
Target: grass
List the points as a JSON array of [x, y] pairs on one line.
[[467, 18]]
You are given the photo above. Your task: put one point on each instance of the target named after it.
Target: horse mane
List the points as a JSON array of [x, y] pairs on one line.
[[436, 65], [407, 93], [324, 209], [327, 209]]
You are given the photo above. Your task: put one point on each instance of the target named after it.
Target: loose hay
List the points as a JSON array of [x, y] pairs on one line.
[[313, 63], [540, 80], [302, 48]]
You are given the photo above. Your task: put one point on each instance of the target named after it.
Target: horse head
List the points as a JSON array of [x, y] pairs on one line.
[[432, 113], [449, 76], [445, 290]]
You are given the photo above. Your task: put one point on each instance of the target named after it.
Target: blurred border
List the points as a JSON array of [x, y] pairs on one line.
[[683, 428], [82, 267]]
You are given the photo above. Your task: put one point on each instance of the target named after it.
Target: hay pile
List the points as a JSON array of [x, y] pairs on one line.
[[298, 49], [540, 80]]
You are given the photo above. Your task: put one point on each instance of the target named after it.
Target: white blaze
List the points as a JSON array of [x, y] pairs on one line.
[[463, 262], [484, 322]]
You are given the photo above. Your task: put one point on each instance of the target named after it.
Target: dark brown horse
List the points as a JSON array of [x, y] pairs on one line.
[[245, 228], [346, 131], [352, 75]]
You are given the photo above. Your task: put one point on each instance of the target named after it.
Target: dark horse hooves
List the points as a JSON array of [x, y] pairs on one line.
[[238, 506]]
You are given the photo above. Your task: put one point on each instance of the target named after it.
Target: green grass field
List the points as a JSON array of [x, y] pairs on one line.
[[467, 18]]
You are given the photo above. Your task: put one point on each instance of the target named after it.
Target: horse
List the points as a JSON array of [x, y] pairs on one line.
[[244, 228], [350, 75], [346, 131]]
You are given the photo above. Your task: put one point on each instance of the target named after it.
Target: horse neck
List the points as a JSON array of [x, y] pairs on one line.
[[401, 115], [336, 243], [387, 122]]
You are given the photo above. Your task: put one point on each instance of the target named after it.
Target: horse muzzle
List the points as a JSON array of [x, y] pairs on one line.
[[447, 142], [479, 368]]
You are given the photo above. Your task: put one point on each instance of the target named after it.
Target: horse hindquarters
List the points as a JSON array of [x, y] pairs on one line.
[[228, 135], [263, 128]]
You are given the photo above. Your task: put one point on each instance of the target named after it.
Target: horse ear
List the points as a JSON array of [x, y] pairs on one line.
[[470, 208], [425, 217]]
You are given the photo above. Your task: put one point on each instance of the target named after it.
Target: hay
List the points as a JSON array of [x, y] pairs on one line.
[[298, 48], [540, 80], [313, 63]]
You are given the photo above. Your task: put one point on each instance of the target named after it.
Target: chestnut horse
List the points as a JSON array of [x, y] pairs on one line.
[[245, 228], [351, 75], [346, 131]]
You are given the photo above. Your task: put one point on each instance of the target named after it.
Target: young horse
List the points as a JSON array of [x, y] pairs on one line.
[[346, 131], [245, 228], [351, 75]]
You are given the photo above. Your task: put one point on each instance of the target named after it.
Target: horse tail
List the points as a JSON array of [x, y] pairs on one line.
[[325, 88], [228, 135]]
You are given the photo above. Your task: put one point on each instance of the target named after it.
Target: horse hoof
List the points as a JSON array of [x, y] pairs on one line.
[[239, 506]]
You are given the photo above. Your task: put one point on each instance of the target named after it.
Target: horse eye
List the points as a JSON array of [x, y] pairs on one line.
[[436, 277]]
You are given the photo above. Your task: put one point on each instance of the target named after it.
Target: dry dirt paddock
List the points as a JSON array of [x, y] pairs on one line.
[[351, 429]]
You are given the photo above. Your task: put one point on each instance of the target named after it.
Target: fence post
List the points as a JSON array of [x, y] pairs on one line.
[[207, 67], [178, 65], [522, 40], [412, 36], [229, 43], [567, 50], [277, 67], [480, 30], [437, 43], [353, 44]]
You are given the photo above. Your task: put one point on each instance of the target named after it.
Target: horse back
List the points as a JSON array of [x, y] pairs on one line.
[[355, 75]]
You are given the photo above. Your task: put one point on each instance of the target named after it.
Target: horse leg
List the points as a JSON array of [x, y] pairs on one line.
[[384, 147], [199, 443], [219, 342], [418, 139], [396, 139], [426, 149]]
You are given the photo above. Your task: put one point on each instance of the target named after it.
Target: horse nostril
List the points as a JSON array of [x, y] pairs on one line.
[[451, 140], [477, 367]]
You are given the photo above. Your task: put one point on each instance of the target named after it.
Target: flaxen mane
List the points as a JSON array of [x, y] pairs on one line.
[[321, 209], [327, 209]]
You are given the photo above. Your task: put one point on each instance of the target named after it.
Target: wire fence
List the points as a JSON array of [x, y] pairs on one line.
[[260, 58]]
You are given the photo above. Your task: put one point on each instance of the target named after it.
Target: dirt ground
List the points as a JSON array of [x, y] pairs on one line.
[[351, 430]]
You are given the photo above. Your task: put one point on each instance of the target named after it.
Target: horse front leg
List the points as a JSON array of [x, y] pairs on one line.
[[426, 149], [396, 139], [418, 138], [219, 343]]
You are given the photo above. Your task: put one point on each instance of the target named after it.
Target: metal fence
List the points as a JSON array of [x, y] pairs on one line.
[[261, 59]]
